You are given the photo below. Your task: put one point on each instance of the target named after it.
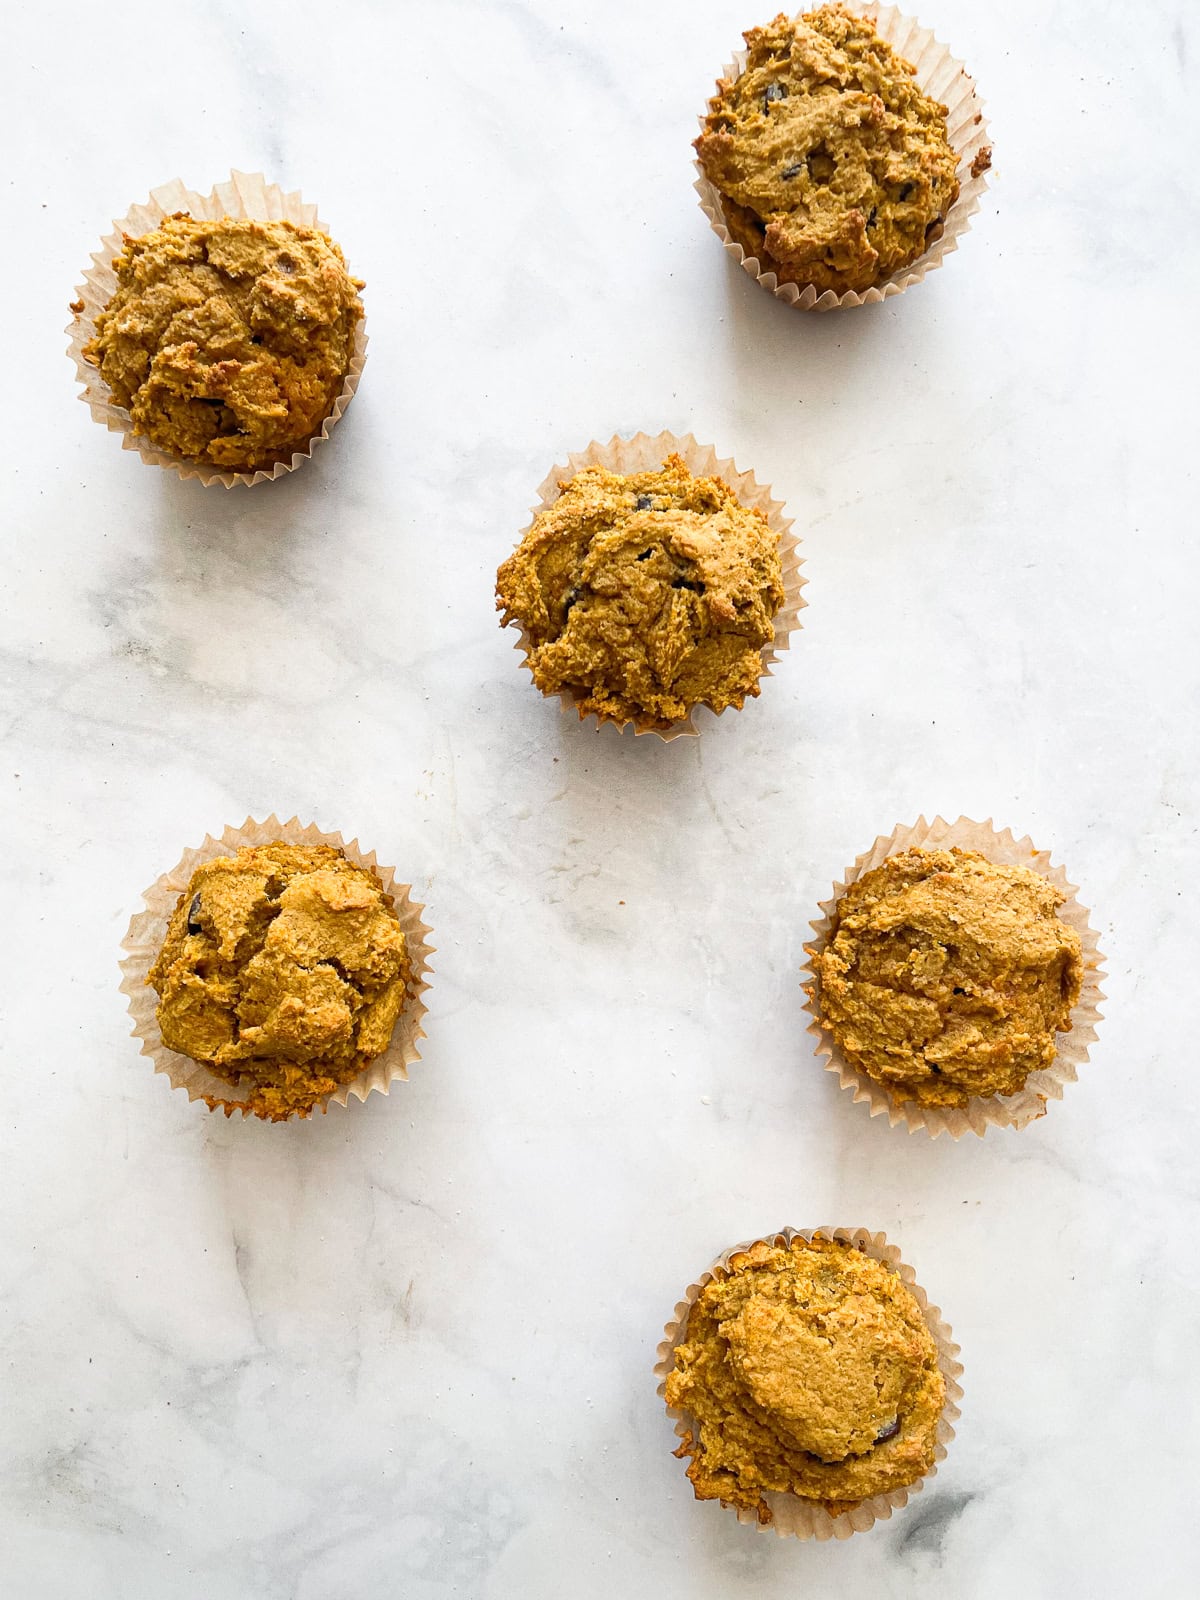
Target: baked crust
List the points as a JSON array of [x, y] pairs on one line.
[[946, 976], [834, 168], [806, 1369], [228, 342], [645, 595], [284, 964]]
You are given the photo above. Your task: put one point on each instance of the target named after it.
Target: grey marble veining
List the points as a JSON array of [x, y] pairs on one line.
[[406, 1350]]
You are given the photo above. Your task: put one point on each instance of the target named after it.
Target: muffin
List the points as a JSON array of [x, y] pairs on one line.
[[227, 341], [284, 970], [645, 595], [806, 1368], [946, 976], [833, 169]]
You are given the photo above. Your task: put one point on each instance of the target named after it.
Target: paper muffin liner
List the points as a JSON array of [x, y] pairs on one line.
[[791, 1516], [646, 453], [148, 929], [247, 195], [980, 1112], [944, 79]]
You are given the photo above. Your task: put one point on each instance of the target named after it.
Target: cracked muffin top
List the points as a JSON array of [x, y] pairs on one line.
[[284, 970], [228, 342], [946, 976], [833, 168], [806, 1369], [645, 595]]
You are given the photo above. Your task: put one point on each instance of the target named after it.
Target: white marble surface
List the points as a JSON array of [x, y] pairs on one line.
[[405, 1351]]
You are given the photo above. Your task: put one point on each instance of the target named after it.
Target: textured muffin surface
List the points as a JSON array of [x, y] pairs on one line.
[[645, 595], [834, 169], [947, 976], [283, 969], [228, 341], [809, 1370]]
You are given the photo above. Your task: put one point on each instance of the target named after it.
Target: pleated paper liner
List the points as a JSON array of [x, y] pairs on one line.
[[148, 929], [646, 453], [980, 1112], [944, 79], [246, 195], [791, 1516]]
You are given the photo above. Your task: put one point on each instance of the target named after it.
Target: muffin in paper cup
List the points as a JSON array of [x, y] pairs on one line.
[[245, 196], [791, 1516], [647, 453], [148, 928], [981, 1112], [941, 77]]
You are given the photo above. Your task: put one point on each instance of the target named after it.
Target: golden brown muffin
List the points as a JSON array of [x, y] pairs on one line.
[[284, 965], [806, 1369], [228, 342], [946, 976], [833, 168], [645, 595]]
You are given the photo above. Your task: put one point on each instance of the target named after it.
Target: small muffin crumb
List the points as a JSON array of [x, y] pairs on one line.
[[228, 342], [947, 976], [284, 970], [806, 1369], [834, 169], [645, 595]]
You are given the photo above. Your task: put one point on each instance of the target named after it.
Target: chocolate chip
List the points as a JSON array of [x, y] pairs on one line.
[[773, 92], [643, 503], [193, 921], [792, 170], [256, 338], [905, 190], [871, 218], [957, 990], [890, 1432], [686, 583], [569, 600], [285, 264], [646, 554]]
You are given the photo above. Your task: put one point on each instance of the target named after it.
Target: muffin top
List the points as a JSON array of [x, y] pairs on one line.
[[284, 965], [947, 976], [806, 1369], [645, 595], [228, 341], [833, 167]]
